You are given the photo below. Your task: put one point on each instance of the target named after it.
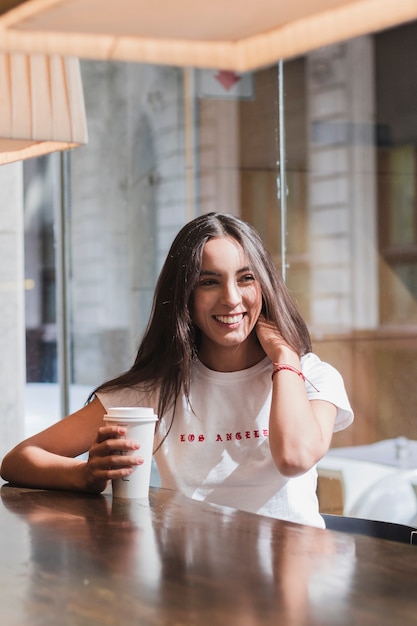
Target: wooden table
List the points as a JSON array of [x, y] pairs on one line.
[[77, 560]]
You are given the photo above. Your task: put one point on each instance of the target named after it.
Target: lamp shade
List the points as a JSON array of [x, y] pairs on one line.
[[41, 105], [237, 35]]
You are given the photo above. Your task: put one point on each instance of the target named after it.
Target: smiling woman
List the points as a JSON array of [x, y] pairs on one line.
[[245, 408], [181, 143]]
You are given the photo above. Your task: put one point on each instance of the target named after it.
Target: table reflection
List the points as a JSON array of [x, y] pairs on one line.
[[98, 559]]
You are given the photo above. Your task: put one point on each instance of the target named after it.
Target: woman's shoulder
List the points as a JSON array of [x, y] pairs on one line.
[[326, 383], [311, 362], [138, 395], [325, 380]]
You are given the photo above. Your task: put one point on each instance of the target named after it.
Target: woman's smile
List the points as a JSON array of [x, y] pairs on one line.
[[230, 320]]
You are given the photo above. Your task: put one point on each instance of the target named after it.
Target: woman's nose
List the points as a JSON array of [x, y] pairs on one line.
[[231, 294]]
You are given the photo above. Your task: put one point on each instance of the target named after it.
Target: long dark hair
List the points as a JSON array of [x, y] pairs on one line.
[[170, 341]]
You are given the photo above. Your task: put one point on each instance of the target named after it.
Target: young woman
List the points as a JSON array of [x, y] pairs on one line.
[[245, 408]]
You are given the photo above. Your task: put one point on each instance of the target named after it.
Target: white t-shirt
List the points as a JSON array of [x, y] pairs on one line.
[[217, 448]]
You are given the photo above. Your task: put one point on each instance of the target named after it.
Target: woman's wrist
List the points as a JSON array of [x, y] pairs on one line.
[[282, 367], [285, 355]]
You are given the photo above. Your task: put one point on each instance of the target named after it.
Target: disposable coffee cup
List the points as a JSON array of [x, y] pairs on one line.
[[140, 424]]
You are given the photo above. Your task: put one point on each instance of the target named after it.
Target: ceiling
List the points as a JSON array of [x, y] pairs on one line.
[[238, 35]]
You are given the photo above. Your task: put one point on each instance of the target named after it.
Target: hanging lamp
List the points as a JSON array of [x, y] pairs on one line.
[[41, 105]]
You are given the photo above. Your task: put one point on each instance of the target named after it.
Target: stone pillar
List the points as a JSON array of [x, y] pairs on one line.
[[12, 325], [342, 196]]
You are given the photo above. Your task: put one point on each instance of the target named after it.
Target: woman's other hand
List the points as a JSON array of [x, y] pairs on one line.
[[273, 344]]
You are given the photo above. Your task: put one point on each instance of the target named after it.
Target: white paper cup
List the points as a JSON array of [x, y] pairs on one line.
[[140, 423]]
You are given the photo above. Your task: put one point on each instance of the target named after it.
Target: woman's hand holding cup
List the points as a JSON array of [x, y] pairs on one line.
[[110, 457]]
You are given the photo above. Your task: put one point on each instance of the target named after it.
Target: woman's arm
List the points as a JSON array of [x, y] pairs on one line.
[[300, 430], [48, 460]]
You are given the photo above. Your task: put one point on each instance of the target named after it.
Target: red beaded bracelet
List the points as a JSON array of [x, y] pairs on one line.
[[283, 366]]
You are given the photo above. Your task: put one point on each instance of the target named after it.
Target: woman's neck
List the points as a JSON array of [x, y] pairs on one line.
[[231, 359]]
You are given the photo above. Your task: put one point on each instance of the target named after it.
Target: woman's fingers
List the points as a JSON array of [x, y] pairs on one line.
[[112, 439], [120, 461], [111, 456], [105, 433], [272, 341], [267, 332]]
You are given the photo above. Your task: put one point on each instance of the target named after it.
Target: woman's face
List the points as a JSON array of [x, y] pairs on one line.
[[227, 298]]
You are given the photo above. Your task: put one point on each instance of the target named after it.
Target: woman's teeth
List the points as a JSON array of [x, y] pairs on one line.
[[229, 319]]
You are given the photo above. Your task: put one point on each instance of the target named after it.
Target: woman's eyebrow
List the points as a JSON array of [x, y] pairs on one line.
[[213, 273]]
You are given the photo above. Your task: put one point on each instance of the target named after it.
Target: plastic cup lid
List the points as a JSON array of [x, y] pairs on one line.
[[130, 412]]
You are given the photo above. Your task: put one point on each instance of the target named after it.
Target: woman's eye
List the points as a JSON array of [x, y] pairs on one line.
[[247, 278]]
